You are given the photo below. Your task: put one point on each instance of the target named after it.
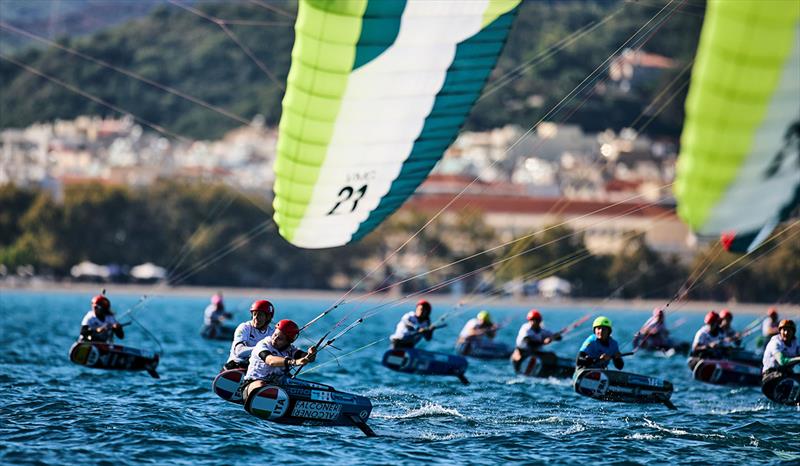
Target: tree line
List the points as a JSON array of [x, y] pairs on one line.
[[214, 235]]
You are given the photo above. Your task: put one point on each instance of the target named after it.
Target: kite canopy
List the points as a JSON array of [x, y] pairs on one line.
[[376, 92], [739, 168]]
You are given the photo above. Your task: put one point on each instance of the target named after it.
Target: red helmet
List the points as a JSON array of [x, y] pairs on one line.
[[263, 305], [711, 318], [725, 314], [534, 314], [288, 328], [101, 301], [773, 312], [657, 311], [426, 306]]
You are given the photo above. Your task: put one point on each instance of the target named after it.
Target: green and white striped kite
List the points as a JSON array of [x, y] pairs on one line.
[[376, 93]]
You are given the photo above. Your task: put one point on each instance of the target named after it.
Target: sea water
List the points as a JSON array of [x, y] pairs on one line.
[[55, 412]]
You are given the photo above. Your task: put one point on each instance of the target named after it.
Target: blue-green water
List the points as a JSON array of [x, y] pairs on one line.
[[55, 412]]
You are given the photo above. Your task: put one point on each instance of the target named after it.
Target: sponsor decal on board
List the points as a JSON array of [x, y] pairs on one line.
[[318, 395], [316, 410], [270, 403], [93, 356]]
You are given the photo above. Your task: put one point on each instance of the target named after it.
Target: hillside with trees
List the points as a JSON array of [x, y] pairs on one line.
[[54, 19], [553, 47]]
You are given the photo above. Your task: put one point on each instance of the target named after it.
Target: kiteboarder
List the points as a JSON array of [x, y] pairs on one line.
[[99, 324], [782, 350], [654, 333], [730, 335], [477, 339], [413, 326], [769, 327], [213, 316], [709, 340], [531, 337], [599, 349], [478, 329], [249, 333], [592, 378], [273, 358]]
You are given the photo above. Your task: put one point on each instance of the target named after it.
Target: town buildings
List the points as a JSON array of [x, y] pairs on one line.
[[608, 185]]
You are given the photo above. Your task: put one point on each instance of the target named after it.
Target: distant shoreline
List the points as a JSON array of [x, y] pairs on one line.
[[334, 295]]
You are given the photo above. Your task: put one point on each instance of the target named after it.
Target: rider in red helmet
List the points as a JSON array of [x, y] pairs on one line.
[[273, 358], [214, 316], [413, 326], [709, 339], [531, 337], [725, 327], [99, 324], [654, 333], [249, 333]]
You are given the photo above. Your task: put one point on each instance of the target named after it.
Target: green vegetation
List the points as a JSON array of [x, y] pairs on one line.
[[773, 270], [73, 18], [214, 235], [171, 47], [177, 225], [556, 251], [179, 49]]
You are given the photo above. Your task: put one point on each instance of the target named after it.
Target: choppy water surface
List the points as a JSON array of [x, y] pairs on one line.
[[55, 412]]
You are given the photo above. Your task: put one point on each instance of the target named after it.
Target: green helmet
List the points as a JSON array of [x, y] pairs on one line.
[[602, 321], [484, 316]]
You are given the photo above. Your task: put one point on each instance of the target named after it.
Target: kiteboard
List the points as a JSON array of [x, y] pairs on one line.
[[609, 385], [484, 349], [724, 372], [110, 356], [744, 356], [784, 389], [417, 361], [545, 364], [228, 385], [737, 355], [300, 402]]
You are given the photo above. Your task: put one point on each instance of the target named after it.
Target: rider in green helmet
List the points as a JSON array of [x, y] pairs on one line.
[[599, 349], [478, 330], [602, 321]]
